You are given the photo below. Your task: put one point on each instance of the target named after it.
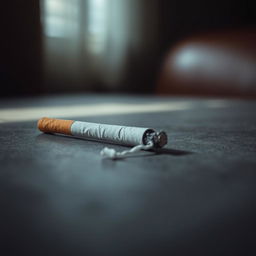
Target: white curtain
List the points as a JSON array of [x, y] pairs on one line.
[[89, 41]]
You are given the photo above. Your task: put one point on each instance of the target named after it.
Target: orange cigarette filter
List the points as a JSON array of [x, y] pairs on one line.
[[50, 125]]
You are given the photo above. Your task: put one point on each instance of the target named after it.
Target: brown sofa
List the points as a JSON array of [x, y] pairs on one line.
[[219, 63]]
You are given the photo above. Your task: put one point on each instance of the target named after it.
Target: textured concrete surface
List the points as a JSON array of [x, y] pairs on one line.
[[196, 197]]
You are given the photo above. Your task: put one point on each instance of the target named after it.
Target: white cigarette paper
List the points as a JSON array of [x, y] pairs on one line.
[[110, 133]]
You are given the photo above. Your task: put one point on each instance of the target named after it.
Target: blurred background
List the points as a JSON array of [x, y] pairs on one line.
[[136, 46]]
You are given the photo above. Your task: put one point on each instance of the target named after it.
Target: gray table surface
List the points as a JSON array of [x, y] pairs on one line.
[[195, 197]]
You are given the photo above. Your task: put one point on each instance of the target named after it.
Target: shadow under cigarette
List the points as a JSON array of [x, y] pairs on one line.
[[160, 151], [69, 140], [171, 151]]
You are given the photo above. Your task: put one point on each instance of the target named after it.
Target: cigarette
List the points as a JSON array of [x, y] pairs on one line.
[[146, 138]]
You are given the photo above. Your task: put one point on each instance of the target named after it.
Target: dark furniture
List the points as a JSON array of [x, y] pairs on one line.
[[213, 63]]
